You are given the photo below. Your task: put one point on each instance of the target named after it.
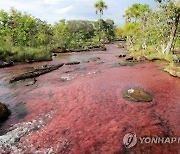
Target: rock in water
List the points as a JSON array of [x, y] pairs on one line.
[[6, 64], [122, 55], [72, 63], [137, 95], [4, 112], [36, 72]]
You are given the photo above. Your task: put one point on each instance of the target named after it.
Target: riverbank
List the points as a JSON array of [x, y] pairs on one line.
[[30, 55], [171, 61]]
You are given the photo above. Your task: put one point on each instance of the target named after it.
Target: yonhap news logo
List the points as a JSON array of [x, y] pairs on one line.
[[131, 139]]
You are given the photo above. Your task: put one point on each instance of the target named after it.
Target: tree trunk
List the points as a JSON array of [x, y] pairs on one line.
[[100, 28], [173, 33]]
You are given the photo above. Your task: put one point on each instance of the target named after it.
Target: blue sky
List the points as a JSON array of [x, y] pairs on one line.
[[54, 10]]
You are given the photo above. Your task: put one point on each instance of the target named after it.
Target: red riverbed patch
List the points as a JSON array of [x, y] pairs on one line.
[[89, 112]]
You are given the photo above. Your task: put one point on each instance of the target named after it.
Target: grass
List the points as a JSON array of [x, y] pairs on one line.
[[27, 54], [173, 69], [151, 54], [24, 54]]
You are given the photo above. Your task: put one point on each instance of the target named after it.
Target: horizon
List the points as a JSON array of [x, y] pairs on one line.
[[55, 10]]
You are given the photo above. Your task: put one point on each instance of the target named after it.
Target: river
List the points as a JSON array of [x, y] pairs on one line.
[[80, 108]]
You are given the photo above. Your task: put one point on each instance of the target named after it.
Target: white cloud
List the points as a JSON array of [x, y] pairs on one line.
[[51, 2], [54, 10], [29, 7], [64, 10]]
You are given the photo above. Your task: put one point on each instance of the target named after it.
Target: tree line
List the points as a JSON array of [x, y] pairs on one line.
[[24, 37]]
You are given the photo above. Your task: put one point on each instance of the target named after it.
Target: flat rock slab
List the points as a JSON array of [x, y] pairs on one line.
[[137, 95], [4, 112], [72, 63], [36, 72]]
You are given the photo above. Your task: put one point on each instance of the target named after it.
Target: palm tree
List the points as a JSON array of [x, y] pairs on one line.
[[100, 6]]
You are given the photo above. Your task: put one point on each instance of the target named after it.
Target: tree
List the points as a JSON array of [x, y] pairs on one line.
[[131, 29], [62, 35], [173, 7], [100, 6], [136, 11], [81, 30], [119, 33]]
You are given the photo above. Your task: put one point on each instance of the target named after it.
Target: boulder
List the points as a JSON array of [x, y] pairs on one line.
[[137, 95], [4, 112]]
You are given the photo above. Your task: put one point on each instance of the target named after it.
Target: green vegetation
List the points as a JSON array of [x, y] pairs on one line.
[[100, 6], [25, 38], [153, 33]]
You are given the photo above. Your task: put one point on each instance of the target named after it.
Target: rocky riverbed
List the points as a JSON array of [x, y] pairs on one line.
[[80, 107]]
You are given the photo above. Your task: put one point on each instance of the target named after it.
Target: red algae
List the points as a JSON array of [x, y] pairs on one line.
[[86, 110]]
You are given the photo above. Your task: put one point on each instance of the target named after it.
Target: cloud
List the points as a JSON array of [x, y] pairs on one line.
[[54, 10], [64, 10], [51, 2]]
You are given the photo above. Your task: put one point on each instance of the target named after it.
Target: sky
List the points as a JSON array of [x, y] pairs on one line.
[[55, 10]]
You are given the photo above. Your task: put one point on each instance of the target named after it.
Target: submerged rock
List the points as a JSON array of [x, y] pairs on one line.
[[132, 63], [95, 59], [21, 110], [137, 95], [4, 112]]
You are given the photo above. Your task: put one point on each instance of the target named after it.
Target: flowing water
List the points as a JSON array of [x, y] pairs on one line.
[[80, 108]]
